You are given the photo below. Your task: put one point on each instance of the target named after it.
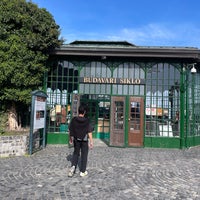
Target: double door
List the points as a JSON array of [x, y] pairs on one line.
[[126, 121]]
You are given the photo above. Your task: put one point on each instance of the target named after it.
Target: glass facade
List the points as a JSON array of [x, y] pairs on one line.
[[62, 81], [162, 100], [171, 96], [97, 70], [192, 117], [127, 72]]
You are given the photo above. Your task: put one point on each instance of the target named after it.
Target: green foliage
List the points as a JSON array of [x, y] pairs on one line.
[[27, 34]]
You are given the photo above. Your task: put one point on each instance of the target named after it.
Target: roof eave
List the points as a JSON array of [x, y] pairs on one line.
[[192, 53]]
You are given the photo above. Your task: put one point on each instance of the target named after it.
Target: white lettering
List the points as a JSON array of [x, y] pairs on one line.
[[122, 81]]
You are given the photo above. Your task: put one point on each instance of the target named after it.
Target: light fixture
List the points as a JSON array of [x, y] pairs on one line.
[[193, 69]]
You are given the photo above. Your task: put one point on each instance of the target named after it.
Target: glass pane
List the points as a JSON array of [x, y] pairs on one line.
[[104, 116], [135, 116], [128, 71], [194, 104], [119, 115], [163, 101]]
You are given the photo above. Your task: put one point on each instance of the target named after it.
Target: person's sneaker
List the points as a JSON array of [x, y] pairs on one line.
[[82, 174], [71, 171]]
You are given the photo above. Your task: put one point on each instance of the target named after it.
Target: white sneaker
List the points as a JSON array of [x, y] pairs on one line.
[[82, 174], [71, 171]]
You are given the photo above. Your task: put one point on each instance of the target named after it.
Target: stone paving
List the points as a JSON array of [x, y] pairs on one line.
[[114, 173]]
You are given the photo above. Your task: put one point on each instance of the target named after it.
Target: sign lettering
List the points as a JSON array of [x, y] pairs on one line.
[[102, 80]]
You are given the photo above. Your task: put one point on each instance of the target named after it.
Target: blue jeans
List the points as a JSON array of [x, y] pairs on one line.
[[80, 147]]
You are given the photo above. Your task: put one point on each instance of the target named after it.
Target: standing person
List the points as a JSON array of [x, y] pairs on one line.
[[80, 130]]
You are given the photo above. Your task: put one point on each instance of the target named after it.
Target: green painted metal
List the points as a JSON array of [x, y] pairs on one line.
[[57, 138], [160, 76], [182, 110], [193, 141], [126, 121], [162, 142], [184, 103], [192, 109]]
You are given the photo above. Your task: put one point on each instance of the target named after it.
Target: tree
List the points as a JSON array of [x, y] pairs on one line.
[[27, 34]]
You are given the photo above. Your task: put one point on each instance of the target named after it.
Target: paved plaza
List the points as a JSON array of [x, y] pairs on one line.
[[114, 174]]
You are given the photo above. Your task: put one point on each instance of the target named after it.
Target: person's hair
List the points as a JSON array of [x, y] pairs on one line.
[[81, 109]]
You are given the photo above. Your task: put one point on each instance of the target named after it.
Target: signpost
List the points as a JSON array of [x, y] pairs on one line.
[[38, 117]]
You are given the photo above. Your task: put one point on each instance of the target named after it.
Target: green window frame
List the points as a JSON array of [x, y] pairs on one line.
[[162, 100]]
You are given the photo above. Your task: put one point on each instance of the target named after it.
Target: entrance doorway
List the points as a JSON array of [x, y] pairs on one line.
[[127, 119]]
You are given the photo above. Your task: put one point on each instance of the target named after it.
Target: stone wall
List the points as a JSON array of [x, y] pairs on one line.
[[15, 145]]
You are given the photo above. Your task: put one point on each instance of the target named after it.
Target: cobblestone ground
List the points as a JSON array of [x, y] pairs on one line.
[[114, 173]]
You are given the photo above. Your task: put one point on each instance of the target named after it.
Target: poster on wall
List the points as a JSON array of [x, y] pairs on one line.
[[39, 110]]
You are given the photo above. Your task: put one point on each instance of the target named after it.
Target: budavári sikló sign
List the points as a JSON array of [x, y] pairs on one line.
[[102, 80]]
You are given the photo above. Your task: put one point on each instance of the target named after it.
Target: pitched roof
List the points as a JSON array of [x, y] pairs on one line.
[[101, 43]]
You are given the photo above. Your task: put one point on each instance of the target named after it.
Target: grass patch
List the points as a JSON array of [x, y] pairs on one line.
[[13, 133]]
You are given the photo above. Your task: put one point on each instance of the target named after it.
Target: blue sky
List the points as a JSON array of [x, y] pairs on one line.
[[141, 22]]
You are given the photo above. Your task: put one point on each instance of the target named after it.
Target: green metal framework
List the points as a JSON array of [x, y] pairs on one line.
[[162, 100], [170, 91], [192, 108]]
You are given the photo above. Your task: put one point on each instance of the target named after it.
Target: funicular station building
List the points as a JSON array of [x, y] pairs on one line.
[[136, 96]]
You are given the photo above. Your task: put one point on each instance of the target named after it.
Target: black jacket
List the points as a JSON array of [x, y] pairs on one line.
[[80, 127]]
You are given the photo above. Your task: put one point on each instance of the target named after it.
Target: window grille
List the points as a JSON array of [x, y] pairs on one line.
[[162, 101]]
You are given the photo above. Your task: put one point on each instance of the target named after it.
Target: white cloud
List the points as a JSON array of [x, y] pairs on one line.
[[150, 35], [160, 35], [152, 31]]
